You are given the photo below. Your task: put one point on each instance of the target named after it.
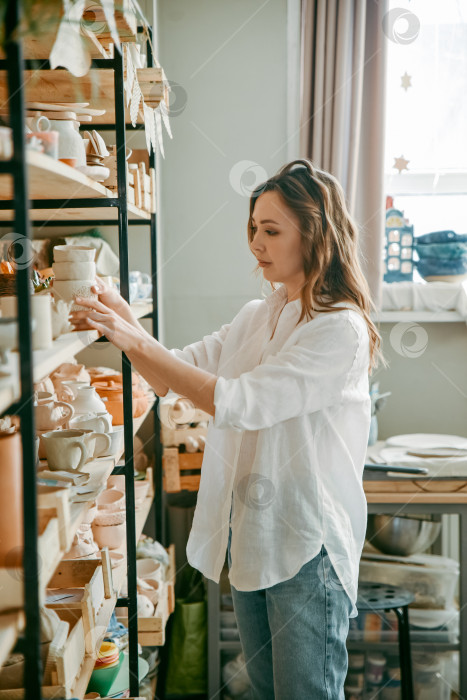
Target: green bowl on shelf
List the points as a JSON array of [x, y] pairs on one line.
[[102, 678]]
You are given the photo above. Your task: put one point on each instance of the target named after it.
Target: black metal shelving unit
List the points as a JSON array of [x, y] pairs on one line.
[[17, 167]]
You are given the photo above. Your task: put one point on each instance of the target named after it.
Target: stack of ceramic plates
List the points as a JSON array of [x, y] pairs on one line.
[[442, 455]]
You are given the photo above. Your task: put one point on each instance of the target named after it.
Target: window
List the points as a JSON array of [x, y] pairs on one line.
[[426, 114]]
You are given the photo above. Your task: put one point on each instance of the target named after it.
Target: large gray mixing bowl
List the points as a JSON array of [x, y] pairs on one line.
[[401, 535]]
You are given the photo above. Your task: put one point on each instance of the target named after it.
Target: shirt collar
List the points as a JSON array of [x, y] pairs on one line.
[[278, 298]]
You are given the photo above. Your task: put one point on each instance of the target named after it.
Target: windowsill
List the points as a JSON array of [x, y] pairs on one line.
[[420, 316], [434, 302]]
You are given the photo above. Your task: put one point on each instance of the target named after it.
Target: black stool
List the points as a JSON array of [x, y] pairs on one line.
[[374, 597]]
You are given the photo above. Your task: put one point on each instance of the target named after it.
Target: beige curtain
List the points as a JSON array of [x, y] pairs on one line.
[[342, 111]]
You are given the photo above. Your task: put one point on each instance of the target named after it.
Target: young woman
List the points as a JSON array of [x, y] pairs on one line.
[[287, 385]]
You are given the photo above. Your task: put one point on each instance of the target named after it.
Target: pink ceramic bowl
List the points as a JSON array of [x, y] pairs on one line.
[[111, 500], [110, 536]]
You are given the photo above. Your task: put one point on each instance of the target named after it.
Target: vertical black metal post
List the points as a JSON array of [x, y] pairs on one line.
[[158, 495], [22, 255], [120, 127]]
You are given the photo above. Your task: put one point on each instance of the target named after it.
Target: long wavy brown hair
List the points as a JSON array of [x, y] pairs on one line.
[[329, 243]]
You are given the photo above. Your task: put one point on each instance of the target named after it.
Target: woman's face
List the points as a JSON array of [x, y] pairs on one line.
[[277, 243]]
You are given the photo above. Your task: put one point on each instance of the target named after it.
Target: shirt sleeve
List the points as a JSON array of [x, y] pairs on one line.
[[206, 352], [311, 375]]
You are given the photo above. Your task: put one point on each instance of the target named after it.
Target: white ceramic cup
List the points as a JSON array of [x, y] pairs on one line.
[[41, 313], [101, 422], [67, 290], [116, 441], [75, 270], [65, 449], [97, 443], [74, 253]]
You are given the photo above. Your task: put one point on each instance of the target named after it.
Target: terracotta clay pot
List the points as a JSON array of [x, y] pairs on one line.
[[110, 387], [11, 500]]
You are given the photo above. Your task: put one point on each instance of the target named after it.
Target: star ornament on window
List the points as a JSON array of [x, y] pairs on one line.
[[406, 81], [401, 164]]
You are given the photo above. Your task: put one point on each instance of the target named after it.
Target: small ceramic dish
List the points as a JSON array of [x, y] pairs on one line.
[[110, 536], [147, 568], [111, 500]]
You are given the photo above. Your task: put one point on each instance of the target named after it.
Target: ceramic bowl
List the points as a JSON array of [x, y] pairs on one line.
[[141, 490], [116, 442], [150, 589], [449, 251], [442, 266], [74, 253], [111, 500], [441, 237], [112, 518], [74, 270], [110, 536], [116, 481], [67, 290], [147, 568]]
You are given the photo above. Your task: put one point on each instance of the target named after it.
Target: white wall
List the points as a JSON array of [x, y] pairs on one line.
[[429, 391], [230, 61]]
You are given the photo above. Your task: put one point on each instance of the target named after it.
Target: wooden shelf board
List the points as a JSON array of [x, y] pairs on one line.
[[10, 625], [46, 361], [96, 87], [49, 178]]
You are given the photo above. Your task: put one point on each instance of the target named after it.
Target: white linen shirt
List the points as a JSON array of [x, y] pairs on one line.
[[287, 444]]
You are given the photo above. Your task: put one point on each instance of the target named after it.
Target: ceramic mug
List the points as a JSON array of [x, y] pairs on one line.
[[116, 441], [74, 253], [67, 290], [69, 388], [75, 270], [47, 411], [101, 421], [97, 443], [41, 313], [66, 449]]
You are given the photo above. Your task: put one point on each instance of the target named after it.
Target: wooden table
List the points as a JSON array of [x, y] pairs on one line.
[[430, 495]]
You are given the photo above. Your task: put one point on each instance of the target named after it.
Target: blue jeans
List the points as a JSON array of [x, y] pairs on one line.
[[293, 634]]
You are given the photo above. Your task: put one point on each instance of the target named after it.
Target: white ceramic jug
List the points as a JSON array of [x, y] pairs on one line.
[[88, 401]]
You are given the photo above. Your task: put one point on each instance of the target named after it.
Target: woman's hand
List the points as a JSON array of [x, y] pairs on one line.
[[112, 299], [108, 322], [109, 296]]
